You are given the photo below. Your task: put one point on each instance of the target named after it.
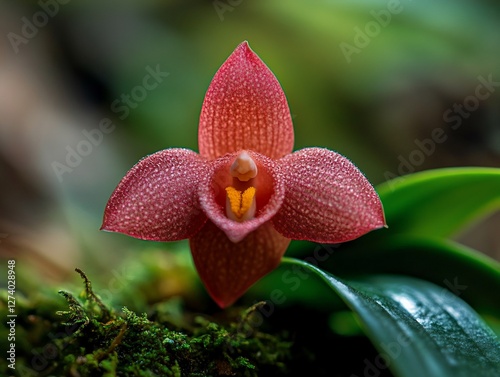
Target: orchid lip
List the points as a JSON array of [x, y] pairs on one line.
[[240, 205], [245, 218]]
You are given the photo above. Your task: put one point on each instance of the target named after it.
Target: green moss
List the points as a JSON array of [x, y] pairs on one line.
[[97, 340]]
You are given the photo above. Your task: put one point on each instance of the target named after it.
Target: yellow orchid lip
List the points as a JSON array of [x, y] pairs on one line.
[[240, 205]]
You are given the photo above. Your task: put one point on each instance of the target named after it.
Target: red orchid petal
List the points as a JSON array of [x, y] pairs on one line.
[[327, 198], [228, 269], [245, 108], [158, 198], [270, 193]]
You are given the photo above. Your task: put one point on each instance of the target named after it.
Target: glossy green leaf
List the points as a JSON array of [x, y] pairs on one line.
[[468, 273], [438, 203], [464, 271], [419, 328]]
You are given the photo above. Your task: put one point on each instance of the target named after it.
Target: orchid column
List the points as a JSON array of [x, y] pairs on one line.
[[245, 195]]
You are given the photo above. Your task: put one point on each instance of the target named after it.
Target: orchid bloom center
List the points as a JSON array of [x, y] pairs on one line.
[[240, 201]]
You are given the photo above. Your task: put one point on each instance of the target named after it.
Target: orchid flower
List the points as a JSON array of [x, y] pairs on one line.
[[245, 195]]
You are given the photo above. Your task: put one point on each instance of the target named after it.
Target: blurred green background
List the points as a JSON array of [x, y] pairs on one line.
[[372, 80]]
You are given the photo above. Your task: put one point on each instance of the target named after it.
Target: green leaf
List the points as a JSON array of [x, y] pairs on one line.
[[422, 329], [464, 271], [438, 203], [468, 273]]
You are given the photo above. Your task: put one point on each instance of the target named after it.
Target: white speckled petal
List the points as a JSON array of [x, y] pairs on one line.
[[245, 108], [228, 269], [158, 198], [327, 199]]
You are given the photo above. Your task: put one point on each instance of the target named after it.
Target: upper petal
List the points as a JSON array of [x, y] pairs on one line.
[[245, 108], [228, 269], [327, 198], [270, 191], [158, 198]]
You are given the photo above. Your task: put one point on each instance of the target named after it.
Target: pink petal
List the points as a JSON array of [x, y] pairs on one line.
[[270, 193], [327, 198], [245, 108], [158, 198], [228, 269]]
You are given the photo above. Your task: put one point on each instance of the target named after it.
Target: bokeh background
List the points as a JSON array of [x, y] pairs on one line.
[[369, 79]]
